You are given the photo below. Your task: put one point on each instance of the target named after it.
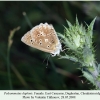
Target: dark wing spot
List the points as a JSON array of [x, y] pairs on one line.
[[31, 40], [40, 40], [52, 41], [40, 43], [38, 35], [48, 46]]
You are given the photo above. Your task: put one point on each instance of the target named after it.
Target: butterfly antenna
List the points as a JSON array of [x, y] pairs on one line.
[[27, 19], [47, 57], [47, 60]]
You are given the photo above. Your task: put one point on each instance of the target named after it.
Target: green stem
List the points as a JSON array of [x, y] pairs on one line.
[[8, 68]]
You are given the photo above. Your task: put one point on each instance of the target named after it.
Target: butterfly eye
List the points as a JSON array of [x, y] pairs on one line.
[[52, 55]]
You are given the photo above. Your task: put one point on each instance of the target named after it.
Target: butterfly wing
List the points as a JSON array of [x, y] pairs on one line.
[[42, 37]]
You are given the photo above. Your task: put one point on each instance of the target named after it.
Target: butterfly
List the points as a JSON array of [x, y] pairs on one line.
[[44, 38]]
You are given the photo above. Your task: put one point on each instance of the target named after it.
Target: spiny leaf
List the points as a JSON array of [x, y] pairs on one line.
[[69, 24], [99, 68], [77, 23], [88, 76], [90, 28]]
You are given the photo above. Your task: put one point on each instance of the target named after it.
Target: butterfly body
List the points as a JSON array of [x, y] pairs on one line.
[[43, 37]]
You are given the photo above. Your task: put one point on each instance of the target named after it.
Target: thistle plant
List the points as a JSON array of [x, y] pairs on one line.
[[79, 44]]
